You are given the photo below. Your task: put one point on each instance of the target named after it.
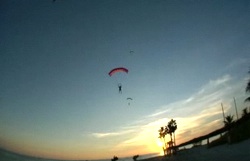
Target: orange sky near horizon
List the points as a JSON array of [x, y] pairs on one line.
[[145, 143], [57, 100]]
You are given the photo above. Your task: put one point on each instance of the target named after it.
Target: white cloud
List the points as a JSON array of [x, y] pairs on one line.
[[111, 134], [197, 115], [101, 135]]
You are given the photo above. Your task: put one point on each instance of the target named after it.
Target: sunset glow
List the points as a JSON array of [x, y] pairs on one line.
[[68, 68]]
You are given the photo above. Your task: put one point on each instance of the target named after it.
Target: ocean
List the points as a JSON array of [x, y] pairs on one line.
[[10, 156]]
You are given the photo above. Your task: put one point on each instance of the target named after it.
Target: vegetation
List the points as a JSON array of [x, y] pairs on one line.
[[234, 131], [228, 125], [115, 158], [169, 129], [162, 133], [172, 126], [228, 121], [135, 157], [248, 89], [239, 131]]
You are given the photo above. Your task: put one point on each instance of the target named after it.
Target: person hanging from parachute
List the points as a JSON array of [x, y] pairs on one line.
[[120, 88], [129, 98], [116, 70]]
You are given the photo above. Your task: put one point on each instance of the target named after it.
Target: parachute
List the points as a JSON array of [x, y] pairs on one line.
[[115, 70], [129, 101]]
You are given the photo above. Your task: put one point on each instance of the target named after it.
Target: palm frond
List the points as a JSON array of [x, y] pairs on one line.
[[248, 86], [247, 99]]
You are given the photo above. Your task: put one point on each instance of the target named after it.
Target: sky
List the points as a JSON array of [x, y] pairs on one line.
[[57, 100]]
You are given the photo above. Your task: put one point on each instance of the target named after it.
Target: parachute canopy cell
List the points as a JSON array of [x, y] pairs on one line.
[[115, 70], [129, 98]]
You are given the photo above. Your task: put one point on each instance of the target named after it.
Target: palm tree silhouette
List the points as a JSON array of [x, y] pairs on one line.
[[228, 125], [162, 134], [171, 127], [228, 121], [248, 89], [244, 112]]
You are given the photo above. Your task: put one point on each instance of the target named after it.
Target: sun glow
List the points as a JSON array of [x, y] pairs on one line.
[[159, 143]]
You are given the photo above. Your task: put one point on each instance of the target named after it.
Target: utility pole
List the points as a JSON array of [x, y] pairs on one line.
[[236, 109], [223, 112]]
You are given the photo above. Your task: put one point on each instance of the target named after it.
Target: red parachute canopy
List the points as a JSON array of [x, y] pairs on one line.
[[115, 70]]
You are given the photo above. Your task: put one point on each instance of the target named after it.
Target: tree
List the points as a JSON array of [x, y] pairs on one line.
[[244, 112], [248, 89], [115, 158], [135, 157], [162, 134], [172, 126], [228, 125], [229, 121]]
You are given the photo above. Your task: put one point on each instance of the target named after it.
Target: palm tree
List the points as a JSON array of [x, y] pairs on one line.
[[162, 134], [244, 112], [248, 89], [228, 125], [172, 126]]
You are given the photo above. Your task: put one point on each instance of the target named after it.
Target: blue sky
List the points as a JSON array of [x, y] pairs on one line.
[[58, 101]]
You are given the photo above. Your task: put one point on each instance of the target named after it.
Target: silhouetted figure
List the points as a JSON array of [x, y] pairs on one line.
[[120, 87]]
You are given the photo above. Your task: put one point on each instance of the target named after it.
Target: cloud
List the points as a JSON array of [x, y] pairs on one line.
[[207, 97], [101, 135], [197, 115], [111, 134]]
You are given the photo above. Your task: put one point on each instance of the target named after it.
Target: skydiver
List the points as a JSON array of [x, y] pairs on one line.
[[120, 87]]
